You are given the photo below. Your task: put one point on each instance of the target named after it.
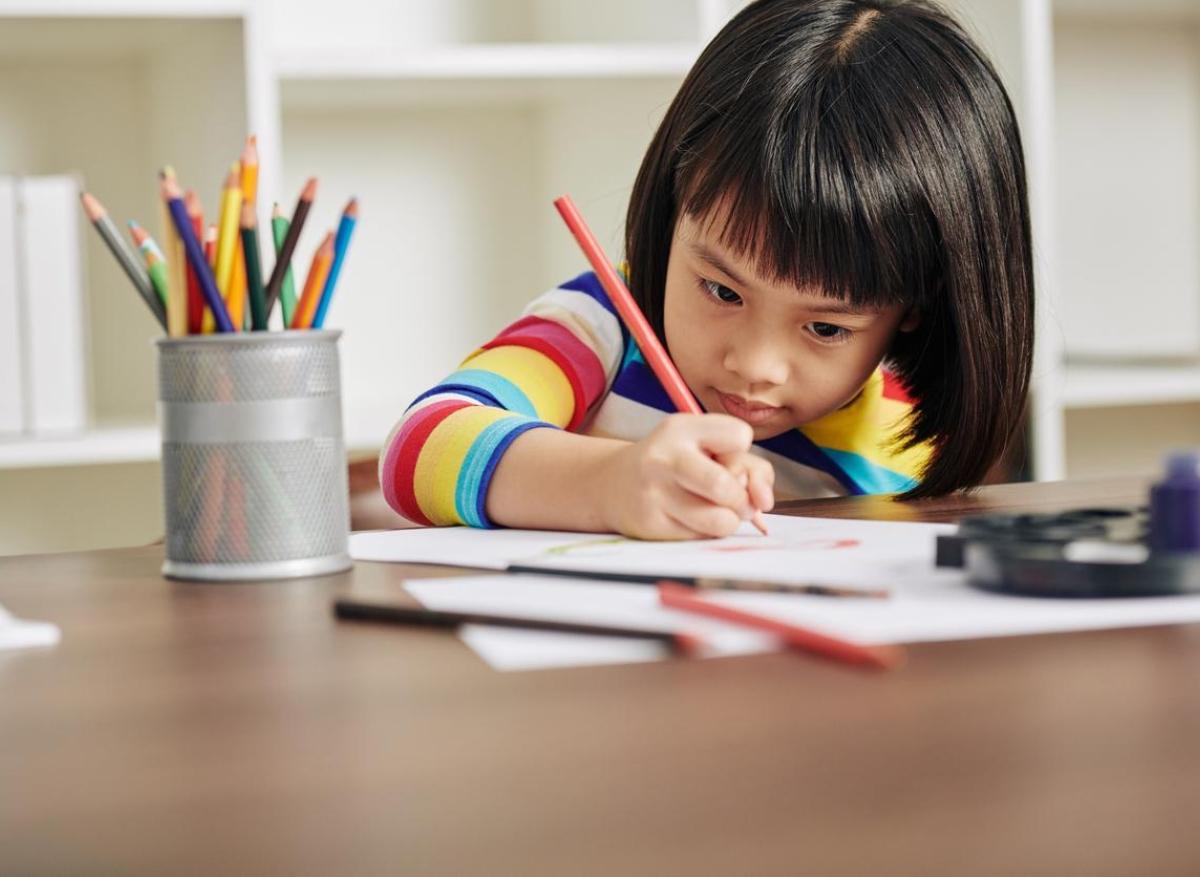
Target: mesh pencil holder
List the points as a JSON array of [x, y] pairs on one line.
[[253, 459]]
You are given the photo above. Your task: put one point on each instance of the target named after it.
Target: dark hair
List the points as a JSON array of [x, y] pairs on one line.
[[868, 149]]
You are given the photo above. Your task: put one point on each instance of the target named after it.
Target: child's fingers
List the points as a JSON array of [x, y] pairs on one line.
[[701, 517], [761, 483], [714, 433], [709, 479], [756, 475]]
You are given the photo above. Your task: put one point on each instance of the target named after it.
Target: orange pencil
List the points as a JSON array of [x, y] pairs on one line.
[[195, 301], [314, 284]]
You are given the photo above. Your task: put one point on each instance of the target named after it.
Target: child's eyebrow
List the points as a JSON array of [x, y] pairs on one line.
[[828, 306], [844, 307], [713, 258]]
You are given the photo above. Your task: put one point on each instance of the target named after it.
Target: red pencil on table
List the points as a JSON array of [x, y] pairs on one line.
[[677, 596], [652, 349]]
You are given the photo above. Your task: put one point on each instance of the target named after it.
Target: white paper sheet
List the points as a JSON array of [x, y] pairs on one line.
[[927, 604], [825, 550], [555, 599], [16, 633]]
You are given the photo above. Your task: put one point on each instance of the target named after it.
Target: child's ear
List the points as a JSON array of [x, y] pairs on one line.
[[911, 320]]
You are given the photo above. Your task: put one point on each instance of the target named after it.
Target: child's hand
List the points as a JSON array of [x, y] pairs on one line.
[[692, 477]]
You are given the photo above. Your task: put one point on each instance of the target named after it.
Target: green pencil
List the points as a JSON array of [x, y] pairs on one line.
[[156, 262], [287, 293], [254, 284], [158, 275]]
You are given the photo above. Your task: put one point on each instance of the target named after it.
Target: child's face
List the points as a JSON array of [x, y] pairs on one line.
[[772, 355]]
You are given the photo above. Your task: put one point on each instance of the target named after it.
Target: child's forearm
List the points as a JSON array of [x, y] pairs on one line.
[[552, 479]]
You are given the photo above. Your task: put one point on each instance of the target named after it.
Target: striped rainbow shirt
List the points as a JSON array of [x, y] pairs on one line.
[[569, 363]]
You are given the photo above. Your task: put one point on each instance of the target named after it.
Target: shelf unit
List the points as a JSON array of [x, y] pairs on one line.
[[457, 122]]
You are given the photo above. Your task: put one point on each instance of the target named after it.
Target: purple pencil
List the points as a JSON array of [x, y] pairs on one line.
[[208, 285]]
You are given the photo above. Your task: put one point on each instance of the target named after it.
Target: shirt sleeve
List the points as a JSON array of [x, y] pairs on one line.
[[861, 439], [549, 369]]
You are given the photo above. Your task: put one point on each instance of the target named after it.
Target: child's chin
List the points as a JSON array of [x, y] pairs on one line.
[[770, 430]]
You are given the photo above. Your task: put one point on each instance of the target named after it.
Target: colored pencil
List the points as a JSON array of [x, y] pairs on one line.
[[676, 596], [145, 241], [651, 348], [195, 301], [157, 268], [250, 250], [365, 610], [249, 168], [303, 205], [209, 324], [173, 198], [210, 256], [314, 284], [176, 270], [345, 230], [210, 246], [156, 263], [227, 238], [287, 292], [707, 583], [248, 183], [133, 268]]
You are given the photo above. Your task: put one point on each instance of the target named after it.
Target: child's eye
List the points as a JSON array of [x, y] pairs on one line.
[[722, 294], [829, 333]]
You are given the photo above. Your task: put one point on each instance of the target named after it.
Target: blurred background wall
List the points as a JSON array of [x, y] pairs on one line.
[[456, 122]]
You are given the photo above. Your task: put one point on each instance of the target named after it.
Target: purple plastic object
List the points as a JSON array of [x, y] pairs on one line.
[[1175, 505]]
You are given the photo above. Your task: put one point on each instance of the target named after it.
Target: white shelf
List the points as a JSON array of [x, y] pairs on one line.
[[502, 61], [472, 72], [123, 8], [1108, 386], [124, 444]]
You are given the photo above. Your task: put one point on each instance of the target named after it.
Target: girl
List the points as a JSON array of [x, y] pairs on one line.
[[830, 234]]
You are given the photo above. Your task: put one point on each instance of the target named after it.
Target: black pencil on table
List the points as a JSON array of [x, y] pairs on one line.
[[350, 609]]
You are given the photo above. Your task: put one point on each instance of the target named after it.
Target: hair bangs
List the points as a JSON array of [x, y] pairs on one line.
[[809, 208]]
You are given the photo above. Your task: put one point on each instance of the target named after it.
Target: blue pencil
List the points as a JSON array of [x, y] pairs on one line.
[[340, 244], [183, 223]]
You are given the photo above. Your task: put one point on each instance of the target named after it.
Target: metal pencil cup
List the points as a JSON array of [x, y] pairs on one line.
[[253, 459]]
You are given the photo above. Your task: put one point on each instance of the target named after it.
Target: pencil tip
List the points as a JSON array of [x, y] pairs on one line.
[[352, 208], [91, 206], [310, 190]]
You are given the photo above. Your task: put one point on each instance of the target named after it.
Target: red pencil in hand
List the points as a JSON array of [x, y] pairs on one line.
[[618, 293]]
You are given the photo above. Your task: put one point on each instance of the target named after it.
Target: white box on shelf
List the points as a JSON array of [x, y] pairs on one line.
[[12, 398], [49, 256]]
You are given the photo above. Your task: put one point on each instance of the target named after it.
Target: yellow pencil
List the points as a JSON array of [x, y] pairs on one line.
[[176, 271], [248, 183], [227, 237]]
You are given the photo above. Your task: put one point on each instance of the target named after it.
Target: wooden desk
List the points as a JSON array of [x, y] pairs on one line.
[[212, 729]]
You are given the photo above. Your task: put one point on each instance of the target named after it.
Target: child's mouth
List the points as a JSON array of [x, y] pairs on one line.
[[754, 413]]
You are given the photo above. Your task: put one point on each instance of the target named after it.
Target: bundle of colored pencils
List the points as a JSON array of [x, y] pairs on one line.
[[203, 277]]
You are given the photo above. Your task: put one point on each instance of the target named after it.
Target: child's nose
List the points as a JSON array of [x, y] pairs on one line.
[[757, 361]]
